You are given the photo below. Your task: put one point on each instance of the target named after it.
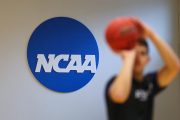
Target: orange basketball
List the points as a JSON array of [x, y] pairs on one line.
[[122, 33]]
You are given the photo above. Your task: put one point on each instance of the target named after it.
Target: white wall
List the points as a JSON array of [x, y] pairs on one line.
[[22, 98]]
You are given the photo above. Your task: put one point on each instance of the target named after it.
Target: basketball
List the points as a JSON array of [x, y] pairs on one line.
[[122, 33]]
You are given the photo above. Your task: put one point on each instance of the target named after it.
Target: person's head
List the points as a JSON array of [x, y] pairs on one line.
[[142, 56]]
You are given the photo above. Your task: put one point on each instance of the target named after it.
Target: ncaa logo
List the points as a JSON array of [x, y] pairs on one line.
[[62, 54]]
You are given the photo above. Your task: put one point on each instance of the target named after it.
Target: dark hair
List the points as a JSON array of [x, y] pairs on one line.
[[143, 42]]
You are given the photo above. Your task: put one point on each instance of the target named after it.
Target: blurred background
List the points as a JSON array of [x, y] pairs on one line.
[[23, 98]]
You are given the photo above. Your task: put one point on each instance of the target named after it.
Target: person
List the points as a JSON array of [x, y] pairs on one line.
[[130, 94]]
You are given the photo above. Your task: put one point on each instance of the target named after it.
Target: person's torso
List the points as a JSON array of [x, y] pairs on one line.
[[137, 107]]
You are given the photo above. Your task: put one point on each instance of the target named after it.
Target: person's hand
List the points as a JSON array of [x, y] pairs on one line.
[[128, 54], [146, 29]]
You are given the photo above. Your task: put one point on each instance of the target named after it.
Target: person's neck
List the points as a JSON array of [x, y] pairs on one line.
[[138, 77]]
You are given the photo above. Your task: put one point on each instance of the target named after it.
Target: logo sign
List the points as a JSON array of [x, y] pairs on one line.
[[62, 54]]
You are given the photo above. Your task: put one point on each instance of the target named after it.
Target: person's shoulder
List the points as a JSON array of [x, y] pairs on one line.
[[111, 79], [109, 82], [152, 80]]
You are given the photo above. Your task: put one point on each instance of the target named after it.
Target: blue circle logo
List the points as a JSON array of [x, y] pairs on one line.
[[62, 54]]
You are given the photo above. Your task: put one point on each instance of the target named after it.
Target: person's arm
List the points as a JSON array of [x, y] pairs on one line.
[[171, 65], [121, 86]]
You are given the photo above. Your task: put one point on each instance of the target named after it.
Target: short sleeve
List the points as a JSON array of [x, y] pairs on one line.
[[108, 85], [112, 108], [153, 83]]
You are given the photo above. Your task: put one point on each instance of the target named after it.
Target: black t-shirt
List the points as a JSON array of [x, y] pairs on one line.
[[139, 105]]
